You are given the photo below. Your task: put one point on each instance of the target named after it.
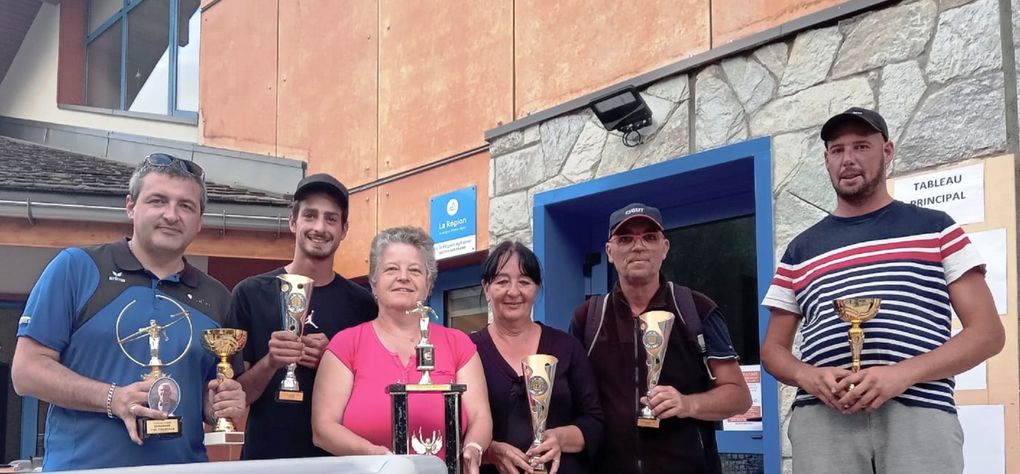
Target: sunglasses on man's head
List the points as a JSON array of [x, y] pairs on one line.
[[163, 160]]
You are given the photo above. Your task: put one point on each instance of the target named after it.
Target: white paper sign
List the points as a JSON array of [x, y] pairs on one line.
[[984, 439], [960, 192], [992, 246], [973, 379], [751, 419]]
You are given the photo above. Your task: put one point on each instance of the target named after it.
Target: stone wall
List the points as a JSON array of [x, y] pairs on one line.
[[934, 69]]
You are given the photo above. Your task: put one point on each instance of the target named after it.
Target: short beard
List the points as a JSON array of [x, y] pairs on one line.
[[859, 195]]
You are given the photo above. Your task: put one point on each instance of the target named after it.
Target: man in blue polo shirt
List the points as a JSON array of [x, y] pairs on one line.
[[100, 317], [897, 414]]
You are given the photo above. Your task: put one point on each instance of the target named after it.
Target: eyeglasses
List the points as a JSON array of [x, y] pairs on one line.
[[628, 240], [163, 160]]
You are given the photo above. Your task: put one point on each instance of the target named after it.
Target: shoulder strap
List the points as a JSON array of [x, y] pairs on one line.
[[593, 323], [683, 299]]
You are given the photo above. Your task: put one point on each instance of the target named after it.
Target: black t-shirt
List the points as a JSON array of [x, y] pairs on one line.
[[278, 429]]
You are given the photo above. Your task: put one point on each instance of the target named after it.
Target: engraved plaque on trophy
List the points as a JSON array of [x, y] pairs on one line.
[[295, 294], [224, 343], [856, 311], [164, 393], [655, 329], [539, 374]]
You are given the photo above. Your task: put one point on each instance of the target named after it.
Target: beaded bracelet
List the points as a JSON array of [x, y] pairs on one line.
[[109, 400], [476, 446]]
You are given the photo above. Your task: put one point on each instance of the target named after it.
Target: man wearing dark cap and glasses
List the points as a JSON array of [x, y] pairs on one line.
[[68, 352], [700, 382], [319, 217], [897, 414]]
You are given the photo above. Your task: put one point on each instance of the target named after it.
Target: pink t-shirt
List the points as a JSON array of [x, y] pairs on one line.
[[368, 410]]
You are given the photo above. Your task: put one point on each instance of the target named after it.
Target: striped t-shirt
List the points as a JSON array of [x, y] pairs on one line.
[[905, 255]]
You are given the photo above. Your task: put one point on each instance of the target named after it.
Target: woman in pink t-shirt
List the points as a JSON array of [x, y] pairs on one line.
[[350, 407]]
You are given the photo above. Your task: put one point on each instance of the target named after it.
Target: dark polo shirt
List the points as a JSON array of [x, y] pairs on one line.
[[679, 445]]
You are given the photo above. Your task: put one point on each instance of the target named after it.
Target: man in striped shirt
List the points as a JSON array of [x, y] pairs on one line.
[[896, 415]]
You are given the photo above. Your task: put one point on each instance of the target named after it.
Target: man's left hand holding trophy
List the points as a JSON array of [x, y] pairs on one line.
[[70, 355]]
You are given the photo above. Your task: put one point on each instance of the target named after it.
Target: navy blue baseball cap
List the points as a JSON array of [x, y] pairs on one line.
[[633, 211]]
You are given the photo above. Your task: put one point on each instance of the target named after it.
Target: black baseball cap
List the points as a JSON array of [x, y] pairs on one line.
[[867, 117], [633, 211], [322, 182]]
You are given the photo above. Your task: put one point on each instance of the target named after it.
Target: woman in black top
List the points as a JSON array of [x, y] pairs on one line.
[[511, 278]]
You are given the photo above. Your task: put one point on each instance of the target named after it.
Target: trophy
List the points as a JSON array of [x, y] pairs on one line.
[[425, 352], [164, 393], [539, 374], [224, 343], [655, 329], [295, 293], [856, 311], [420, 443]]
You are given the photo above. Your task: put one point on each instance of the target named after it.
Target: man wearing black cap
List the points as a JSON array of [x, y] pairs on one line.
[[318, 220], [700, 382], [897, 414]]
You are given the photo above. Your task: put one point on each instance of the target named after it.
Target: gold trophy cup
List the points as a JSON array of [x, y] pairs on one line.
[[164, 393], [539, 374], [655, 329], [224, 343], [295, 294], [856, 311]]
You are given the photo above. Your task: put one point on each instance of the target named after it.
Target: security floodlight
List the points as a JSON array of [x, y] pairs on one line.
[[625, 111]]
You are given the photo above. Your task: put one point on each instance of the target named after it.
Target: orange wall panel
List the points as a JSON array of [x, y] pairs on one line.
[[406, 201], [328, 88], [567, 48], [445, 77], [237, 79], [735, 19], [352, 256]]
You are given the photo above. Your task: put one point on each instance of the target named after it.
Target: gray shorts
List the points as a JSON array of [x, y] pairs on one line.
[[895, 439]]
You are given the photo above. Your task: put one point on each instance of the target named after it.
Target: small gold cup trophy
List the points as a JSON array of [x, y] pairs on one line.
[[451, 442], [224, 343], [164, 393], [655, 329], [856, 311], [539, 374], [295, 293]]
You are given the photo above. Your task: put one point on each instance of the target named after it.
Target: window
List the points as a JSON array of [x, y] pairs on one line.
[[466, 309], [142, 56], [718, 258]]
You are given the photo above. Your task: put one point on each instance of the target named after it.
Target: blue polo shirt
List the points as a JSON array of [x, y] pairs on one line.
[[85, 301]]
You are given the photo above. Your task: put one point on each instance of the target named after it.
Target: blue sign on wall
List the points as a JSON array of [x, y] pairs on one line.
[[453, 222]]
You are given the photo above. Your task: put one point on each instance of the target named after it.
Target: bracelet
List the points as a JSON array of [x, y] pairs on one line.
[[109, 400], [476, 446]]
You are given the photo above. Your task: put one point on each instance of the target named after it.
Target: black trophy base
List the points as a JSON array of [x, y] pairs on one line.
[[290, 396], [149, 428]]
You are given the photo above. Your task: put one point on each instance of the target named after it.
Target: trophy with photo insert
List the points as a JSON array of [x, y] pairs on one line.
[[655, 329], [856, 311], [419, 442], [539, 374], [164, 393], [224, 343], [295, 294]]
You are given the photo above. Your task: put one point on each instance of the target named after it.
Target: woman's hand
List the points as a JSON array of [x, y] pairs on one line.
[[472, 456], [507, 458], [547, 452]]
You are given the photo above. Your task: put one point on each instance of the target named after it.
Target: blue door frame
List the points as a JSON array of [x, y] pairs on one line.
[[571, 223]]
